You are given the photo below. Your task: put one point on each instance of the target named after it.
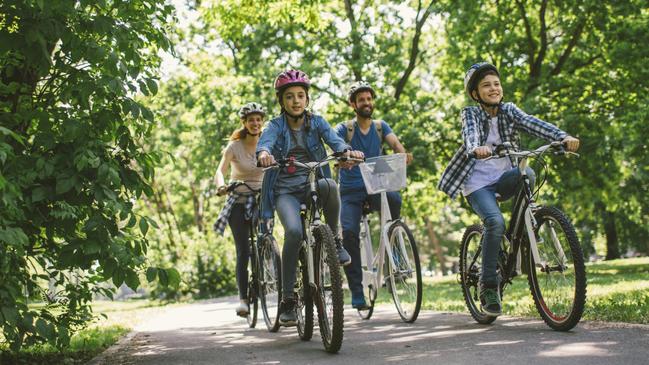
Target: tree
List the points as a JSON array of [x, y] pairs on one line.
[[71, 162]]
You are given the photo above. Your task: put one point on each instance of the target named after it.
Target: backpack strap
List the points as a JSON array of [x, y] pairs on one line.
[[378, 127], [350, 130], [351, 124]]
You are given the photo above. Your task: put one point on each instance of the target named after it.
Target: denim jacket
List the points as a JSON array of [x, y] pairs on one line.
[[475, 130], [276, 140]]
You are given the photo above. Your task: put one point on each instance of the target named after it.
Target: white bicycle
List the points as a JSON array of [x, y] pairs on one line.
[[396, 262]]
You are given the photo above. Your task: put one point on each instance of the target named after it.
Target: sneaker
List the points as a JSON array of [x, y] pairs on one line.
[[287, 318], [242, 310], [358, 301], [343, 255], [490, 300]]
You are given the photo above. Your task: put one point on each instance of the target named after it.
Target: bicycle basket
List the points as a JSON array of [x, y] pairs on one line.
[[384, 173]]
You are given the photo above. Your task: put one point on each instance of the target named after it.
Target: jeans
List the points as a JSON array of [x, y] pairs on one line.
[[483, 201], [288, 210], [241, 233], [352, 209]]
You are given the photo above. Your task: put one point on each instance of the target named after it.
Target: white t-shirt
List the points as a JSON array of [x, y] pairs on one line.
[[486, 173]]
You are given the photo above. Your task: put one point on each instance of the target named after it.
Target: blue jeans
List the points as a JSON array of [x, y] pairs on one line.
[[350, 217], [483, 201], [288, 210]]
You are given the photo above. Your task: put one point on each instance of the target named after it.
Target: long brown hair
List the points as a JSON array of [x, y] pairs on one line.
[[239, 134]]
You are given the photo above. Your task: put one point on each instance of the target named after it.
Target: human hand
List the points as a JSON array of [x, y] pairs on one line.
[[265, 159], [571, 143]]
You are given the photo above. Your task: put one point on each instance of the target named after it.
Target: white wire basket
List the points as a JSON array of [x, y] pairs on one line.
[[384, 173]]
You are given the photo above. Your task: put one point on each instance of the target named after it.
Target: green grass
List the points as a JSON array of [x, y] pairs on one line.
[[121, 317], [617, 291]]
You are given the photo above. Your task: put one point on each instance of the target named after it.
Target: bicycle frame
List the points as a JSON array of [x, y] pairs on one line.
[[523, 218], [371, 276]]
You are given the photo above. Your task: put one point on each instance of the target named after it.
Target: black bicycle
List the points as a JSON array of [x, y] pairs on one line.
[[539, 241], [319, 278], [264, 271]]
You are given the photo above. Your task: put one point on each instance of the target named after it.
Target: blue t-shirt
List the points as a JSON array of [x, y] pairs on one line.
[[369, 144]]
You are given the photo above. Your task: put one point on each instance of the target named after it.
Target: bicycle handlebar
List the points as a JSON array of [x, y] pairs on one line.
[[338, 156], [507, 149]]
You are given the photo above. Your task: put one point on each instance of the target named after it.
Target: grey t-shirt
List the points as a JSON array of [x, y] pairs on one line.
[[286, 182]]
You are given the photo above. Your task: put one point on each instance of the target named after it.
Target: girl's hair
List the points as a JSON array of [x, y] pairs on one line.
[[239, 134]]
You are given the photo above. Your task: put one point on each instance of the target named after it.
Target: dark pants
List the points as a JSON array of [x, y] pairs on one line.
[[241, 232], [350, 217], [483, 201]]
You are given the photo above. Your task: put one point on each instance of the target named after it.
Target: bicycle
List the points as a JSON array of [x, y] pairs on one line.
[[539, 241], [402, 273], [319, 279], [264, 275]]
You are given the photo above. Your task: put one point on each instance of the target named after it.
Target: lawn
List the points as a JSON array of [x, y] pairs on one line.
[[121, 318], [617, 291]]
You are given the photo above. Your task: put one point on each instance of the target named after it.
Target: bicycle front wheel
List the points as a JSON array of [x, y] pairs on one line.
[[253, 266], [270, 281], [558, 281], [329, 289], [304, 300], [470, 267], [405, 272]]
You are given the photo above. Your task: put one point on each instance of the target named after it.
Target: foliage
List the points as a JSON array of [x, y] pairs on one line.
[[617, 291], [71, 162]]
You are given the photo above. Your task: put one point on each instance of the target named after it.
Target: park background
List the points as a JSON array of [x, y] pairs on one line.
[[114, 114]]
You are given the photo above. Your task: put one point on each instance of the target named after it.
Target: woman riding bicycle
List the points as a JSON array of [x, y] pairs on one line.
[[297, 133], [239, 209], [483, 182]]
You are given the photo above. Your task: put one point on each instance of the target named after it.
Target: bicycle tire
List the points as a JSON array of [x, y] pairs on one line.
[[304, 300], [329, 291], [253, 269], [270, 282], [470, 266], [558, 314], [370, 293], [407, 299]]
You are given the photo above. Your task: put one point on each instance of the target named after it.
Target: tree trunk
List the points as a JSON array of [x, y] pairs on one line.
[[432, 238], [612, 242]]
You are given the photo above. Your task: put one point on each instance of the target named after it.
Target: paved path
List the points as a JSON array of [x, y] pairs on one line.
[[210, 333]]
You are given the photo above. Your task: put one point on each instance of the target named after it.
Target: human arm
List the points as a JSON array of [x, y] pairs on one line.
[[222, 171]]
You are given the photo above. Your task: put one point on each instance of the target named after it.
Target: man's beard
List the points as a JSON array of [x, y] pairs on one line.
[[365, 112]]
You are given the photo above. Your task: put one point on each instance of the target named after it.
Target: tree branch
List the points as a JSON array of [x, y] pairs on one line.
[[576, 34], [414, 48], [535, 71], [531, 44], [356, 41]]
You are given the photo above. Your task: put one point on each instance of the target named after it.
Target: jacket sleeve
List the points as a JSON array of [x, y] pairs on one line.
[[470, 125], [533, 125], [329, 136], [268, 138]]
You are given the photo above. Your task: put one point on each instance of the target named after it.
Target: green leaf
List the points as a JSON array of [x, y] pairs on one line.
[[64, 184], [151, 274], [163, 276], [13, 236], [38, 194], [152, 85], [144, 226], [132, 279], [174, 278]]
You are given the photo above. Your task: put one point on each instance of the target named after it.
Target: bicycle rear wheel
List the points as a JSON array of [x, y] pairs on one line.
[[270, 281], [470, 267], [329, 297], [405, 272], [253, 266], [558, 282], [304, 299]]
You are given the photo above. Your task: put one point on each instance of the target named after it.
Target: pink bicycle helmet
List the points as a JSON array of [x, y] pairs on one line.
[[291, 78]]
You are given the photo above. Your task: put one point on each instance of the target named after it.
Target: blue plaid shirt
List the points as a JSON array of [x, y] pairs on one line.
[[475, 130]]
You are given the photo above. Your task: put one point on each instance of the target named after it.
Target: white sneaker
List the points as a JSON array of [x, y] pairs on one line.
[[242, 310]]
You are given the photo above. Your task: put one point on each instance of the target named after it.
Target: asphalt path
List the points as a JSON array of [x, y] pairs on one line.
[[210, 333]]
